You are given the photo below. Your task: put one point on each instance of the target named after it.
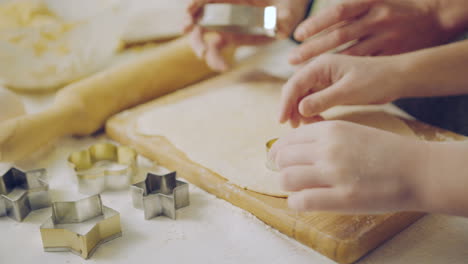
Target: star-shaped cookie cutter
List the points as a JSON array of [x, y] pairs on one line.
[[160, 195], [23, 192], [80, 226], [103, 166]]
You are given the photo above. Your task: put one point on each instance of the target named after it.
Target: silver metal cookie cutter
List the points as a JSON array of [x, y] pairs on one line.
[[240, 19], [160, 195], [103, 166], [23, 192], [80, 226]]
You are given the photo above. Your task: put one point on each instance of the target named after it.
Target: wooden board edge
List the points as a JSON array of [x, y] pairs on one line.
[[350, 250], [391, 227]]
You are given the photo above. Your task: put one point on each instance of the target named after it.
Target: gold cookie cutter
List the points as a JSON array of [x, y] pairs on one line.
[[104, 166], [270, 164], [80, 226]]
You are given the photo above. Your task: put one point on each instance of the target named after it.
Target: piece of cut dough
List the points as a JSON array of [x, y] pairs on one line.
[[225, 129]]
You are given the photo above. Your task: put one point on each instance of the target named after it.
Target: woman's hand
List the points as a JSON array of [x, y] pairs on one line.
[[382, 27], [290, 13], [344, 167], [333, 79]]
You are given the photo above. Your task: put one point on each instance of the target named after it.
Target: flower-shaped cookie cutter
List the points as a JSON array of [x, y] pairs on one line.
[[103, 166], [160, 195], [80, 226], [22, 192]]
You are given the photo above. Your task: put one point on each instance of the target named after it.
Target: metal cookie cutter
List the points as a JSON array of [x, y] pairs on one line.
[[270, 164], [240, 19], [22, 192], [80, 227], [103, 166], [160, 195]]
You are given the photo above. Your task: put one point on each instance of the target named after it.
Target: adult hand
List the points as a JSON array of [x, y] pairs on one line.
[[290, 13], [382, 27]]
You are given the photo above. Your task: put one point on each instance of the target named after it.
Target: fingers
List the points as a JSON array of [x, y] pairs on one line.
[[295, 119], [319, 199], [342, 12], [296, 87], [295, 137], [208, 45], [328, 41], [194, 12], [294, 155], [197, 42], [297, 178], [307, 80], [366, 47], [214, 58], [209, 48], [289, 16], [322, 100], [311, 119]]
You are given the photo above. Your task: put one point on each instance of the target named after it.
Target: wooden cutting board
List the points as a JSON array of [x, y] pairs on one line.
[[343, 238]]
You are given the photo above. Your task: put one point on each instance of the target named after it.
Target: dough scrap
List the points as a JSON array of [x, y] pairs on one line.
[[225, 129]]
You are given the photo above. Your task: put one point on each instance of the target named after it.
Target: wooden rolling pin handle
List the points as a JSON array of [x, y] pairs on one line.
[[24, 134]]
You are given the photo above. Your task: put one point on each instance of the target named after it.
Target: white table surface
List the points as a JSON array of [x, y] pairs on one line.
[[210, 230]]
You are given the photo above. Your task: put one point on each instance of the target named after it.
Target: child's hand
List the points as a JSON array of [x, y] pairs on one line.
[[345, 167], [333, 79], [383, 27], [290, 13]]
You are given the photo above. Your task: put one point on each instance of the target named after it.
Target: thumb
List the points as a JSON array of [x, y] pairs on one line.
[[320, 101]]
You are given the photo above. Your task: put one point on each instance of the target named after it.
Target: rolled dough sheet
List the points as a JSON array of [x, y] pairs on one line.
[[225, 129]]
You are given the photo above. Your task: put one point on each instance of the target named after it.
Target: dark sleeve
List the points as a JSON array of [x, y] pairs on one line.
[[445, 112]]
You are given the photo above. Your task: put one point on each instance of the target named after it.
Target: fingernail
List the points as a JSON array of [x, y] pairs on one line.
[[295, 58], [299, 34]]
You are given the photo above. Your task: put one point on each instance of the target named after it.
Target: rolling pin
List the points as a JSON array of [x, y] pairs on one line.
[[83, 107]]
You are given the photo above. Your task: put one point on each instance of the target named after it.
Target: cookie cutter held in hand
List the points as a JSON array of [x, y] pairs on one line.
[[270, 164], [241, 19], [103, 166], [80, 226], [23, 192], [160, 195]]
